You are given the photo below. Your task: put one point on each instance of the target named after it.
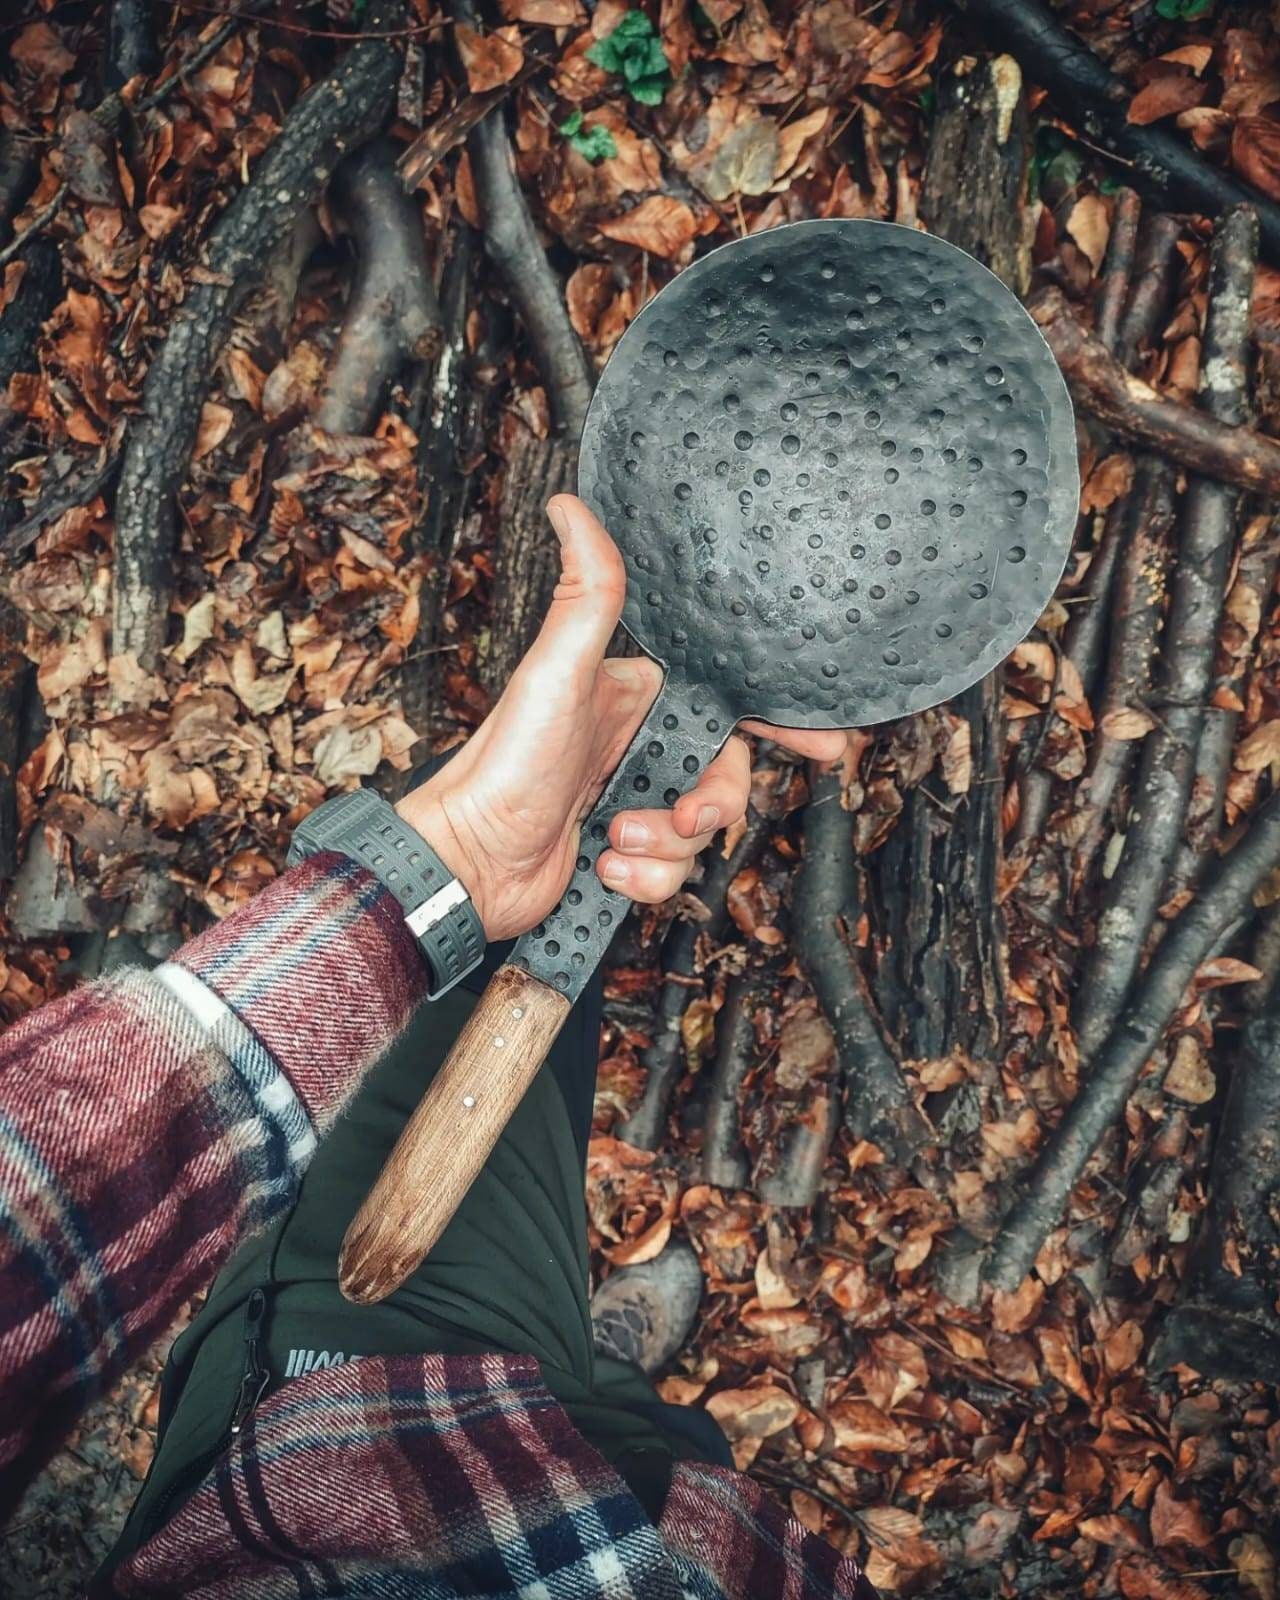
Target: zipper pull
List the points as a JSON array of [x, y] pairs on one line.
[[255, 1377]]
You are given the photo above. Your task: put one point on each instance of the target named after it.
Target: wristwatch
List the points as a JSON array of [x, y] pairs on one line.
[[438, 910]]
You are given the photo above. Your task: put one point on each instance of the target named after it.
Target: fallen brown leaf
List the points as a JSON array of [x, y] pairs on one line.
[[659, 224]]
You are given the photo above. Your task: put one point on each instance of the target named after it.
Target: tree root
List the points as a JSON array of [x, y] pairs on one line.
[[526, 565], [878, 1104], [1168, 753], [1134, 410], [512, 243], [1098, 102], [391, 318], [450, 419], [339, 113]]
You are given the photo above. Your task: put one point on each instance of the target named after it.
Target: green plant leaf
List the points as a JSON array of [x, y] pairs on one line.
[[606, 55], [650, 91], [634, 50], [597, 144], [1182, 10]]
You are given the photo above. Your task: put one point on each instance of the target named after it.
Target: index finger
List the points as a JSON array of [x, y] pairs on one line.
[[815, 744]]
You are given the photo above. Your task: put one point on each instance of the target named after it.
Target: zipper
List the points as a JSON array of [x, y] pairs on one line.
[[255, 1377], [253, 1381]]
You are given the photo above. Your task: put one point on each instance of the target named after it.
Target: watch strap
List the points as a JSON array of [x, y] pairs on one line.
[[438, 910]]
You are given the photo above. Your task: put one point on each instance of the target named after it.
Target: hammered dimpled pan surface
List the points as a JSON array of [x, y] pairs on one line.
[[839, 460]]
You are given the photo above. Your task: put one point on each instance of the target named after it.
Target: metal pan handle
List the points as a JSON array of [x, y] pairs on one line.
[[446, 1142], [682, 733]]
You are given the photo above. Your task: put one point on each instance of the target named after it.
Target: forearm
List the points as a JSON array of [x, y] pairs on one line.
[[149, 1121]]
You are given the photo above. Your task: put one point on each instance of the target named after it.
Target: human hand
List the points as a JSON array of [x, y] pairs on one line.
[[505, 813]]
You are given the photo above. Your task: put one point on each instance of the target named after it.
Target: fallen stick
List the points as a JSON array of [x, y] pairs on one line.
[[663, 1060], [37, 294], [796, 1180], [1222, 903], [20, 322], [334, 116], [131, 45], [878, 1103], [1225, 1323], [1117, 269], [391, 318], [1133, 409], [1167, 761], [1136, 611], [1094, 99], [973, 193], [77, 488], [17, 178], [1154, 281], [724, 1160], [1256, 570], [974, 189], [1084, 633], [451, 129], [1085, 640]]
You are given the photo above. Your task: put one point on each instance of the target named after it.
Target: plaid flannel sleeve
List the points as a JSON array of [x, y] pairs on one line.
[[148, 1121]]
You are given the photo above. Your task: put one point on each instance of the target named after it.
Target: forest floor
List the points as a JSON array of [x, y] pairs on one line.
[[977, 1375]]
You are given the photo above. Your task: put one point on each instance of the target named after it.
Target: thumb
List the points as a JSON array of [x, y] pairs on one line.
[[588, 598]]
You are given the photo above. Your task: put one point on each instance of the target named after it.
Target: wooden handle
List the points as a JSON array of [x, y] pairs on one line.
[[448, 1138]]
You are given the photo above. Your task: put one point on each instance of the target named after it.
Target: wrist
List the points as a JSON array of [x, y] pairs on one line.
[[434, 898], [427, 812]]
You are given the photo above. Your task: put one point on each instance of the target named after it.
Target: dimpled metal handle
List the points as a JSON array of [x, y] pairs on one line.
[[683, 731]]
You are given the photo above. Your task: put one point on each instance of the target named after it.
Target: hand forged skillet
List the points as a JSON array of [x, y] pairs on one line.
[[839, 460]]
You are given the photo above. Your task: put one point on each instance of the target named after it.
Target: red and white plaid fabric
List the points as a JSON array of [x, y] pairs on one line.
[[146, 1124]]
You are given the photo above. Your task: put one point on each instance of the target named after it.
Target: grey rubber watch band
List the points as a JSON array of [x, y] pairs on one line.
[[438, 910]]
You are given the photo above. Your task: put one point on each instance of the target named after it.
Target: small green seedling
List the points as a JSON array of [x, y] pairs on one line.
[[634, 50], [596, 144]]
